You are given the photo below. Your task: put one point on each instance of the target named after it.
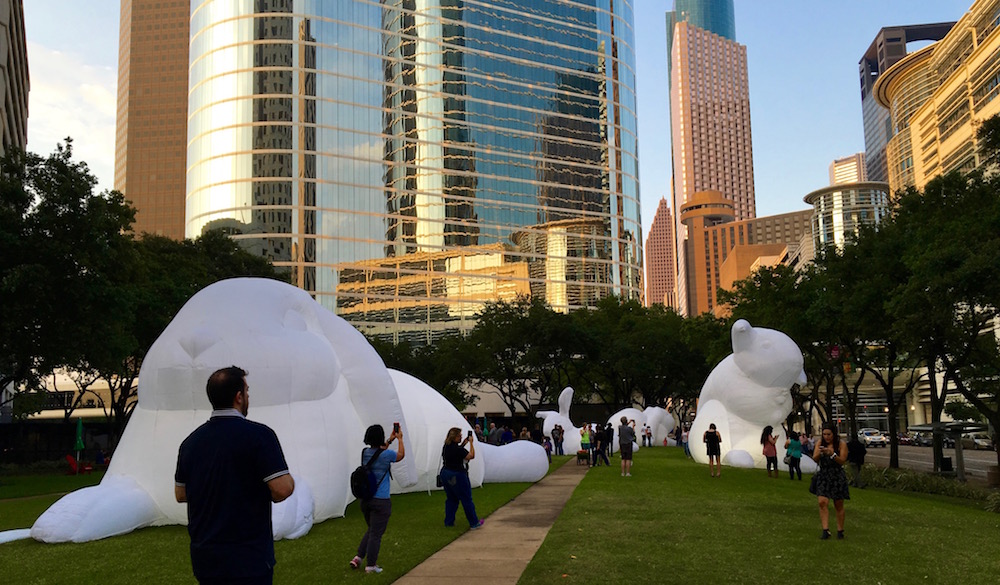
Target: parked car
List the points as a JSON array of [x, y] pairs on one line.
[[904, 439], [977, 441], [872, 438], [927, 440]]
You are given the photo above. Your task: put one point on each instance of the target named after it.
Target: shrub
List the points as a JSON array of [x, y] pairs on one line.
[[993, 502], [925, 483]]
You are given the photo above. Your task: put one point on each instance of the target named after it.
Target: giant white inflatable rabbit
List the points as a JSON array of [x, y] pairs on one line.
[[749, 390], [315, 380]]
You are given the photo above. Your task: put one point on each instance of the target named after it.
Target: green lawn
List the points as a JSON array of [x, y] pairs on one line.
[[672, 523], [160, 555], [669, 523]]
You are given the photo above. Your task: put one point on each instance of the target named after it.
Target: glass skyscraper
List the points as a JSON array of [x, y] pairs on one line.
[[408, 160]]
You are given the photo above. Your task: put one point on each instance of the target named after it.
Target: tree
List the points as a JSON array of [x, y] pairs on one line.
[[962, 410], [951, 295], [61, 249], [496, 351]]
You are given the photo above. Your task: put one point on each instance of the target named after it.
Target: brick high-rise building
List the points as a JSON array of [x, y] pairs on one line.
[[661, 265], [151, 134], [709, 121]]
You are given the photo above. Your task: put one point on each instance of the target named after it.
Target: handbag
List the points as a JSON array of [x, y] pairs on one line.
[[788, 459]]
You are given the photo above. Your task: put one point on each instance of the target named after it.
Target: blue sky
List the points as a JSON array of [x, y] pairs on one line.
[[803, 60]]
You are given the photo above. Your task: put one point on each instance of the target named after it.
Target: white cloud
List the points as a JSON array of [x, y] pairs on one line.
[[71, 97]]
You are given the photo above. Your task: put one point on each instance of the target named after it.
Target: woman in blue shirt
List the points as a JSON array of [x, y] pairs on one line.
[[378, 509]]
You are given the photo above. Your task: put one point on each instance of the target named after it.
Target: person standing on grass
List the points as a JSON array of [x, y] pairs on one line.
[[455, 477], [793, 448], [585, 443], [769, 442], [229, 472], [685, 436], [493, 438], [557, 439], [830, 482], [713, 446], [626, 437], [607, 434], [377, 509], [856, 452]]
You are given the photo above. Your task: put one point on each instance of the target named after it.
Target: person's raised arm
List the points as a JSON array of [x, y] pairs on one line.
[[472, 449], [281, 487], [401, 452]]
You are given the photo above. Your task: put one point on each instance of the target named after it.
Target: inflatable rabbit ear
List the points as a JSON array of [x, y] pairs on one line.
[[565, 401]]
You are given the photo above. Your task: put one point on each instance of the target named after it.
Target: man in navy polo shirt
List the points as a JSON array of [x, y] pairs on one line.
[[229, 470]]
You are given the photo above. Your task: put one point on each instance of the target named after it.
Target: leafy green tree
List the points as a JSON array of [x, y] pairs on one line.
[[951, 295], [61, 250], [961, 410], [496, 353]]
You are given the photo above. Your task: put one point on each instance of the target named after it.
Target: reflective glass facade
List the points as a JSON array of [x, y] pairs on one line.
[[409, 159]]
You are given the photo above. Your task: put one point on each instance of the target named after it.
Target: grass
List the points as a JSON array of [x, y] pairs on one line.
[[160, 555], [669, 523], [672, 523]]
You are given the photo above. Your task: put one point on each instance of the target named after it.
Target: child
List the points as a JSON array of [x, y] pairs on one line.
[[548, 448]]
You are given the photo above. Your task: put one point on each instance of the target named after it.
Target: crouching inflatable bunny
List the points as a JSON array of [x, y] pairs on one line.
[[315, 381], [746, 392]]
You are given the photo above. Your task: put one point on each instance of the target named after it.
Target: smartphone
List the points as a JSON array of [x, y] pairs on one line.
[[470, 434], [395, 427]]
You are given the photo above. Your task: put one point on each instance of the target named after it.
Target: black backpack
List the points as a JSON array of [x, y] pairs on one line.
[[363, 482]]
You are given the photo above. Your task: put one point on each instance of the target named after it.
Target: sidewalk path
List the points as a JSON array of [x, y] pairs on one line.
[[498, 553]]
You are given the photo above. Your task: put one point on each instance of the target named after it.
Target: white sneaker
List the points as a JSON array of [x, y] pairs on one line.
[[373, 569], [628, 475]]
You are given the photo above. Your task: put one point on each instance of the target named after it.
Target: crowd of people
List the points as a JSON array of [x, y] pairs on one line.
[[230, 471]]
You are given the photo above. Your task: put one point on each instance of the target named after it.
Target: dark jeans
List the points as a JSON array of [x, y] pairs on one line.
[[458, 489], [559, 448], [376, 512], [793, 466], [602, 453], [856, 481]]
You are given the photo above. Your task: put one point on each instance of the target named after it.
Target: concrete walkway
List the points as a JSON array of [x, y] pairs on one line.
[[498, 552]]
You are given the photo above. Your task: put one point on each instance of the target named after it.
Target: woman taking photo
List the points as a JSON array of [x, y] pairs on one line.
[[770, 450], [830, 482], [455, 477], [377, 509]]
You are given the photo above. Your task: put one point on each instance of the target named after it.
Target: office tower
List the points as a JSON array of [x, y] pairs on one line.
[[888, 47], [14, 69], [151, 133], [408, 161], [710, 124], [660, 262], [850, 169], [842, 209], [937, 98], [716, 237]]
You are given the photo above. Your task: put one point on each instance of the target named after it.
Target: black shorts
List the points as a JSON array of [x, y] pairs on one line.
[[626, 451]]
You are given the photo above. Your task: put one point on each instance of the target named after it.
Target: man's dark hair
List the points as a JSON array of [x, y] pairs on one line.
[[223, 386]]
